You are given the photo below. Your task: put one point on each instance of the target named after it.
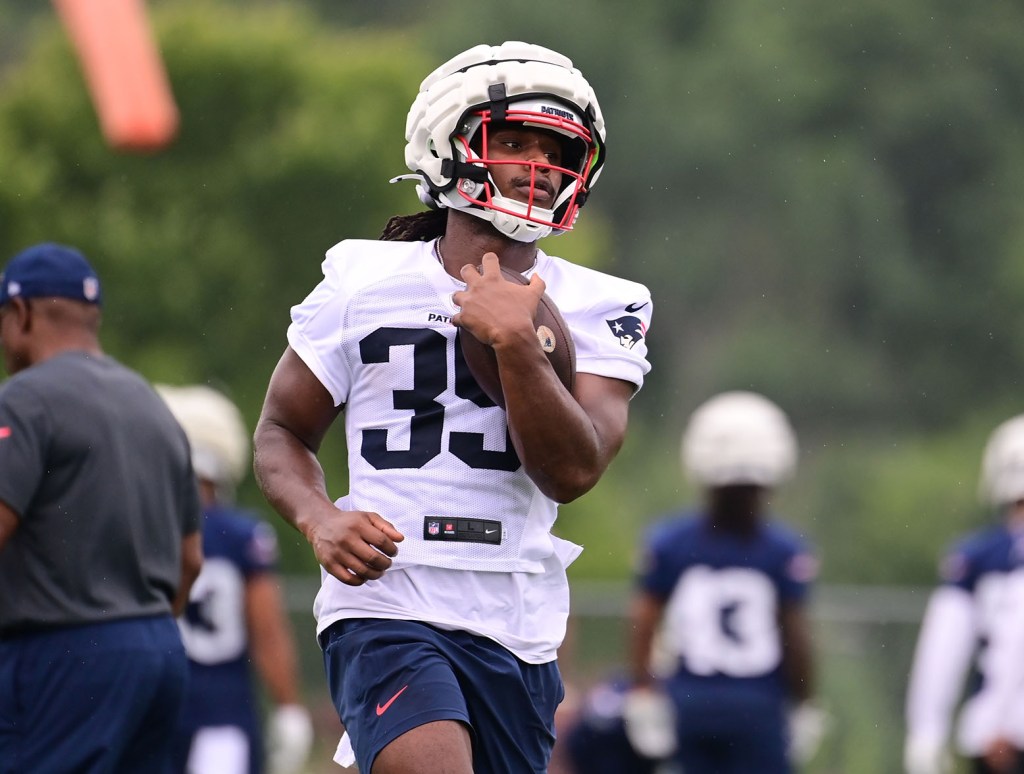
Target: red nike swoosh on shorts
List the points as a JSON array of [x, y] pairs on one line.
[[382, 708]]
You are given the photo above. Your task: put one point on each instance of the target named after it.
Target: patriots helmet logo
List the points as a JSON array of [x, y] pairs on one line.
[[627, 329]]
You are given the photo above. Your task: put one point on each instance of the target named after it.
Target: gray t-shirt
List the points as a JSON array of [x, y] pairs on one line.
[[100, 474]]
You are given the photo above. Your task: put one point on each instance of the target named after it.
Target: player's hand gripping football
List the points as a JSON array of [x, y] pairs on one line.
[[354, 546], [497, 312]]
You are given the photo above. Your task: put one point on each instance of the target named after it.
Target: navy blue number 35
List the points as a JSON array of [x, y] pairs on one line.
[[430, 379]]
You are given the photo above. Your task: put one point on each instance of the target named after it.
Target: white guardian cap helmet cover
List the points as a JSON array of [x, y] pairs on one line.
[[215, 429], [446, 134], [1002, 465], [739, 438]]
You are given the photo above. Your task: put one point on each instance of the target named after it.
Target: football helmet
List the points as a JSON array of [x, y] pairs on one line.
[[739, 438], [215, 429], [1002, 464], [514, 83]]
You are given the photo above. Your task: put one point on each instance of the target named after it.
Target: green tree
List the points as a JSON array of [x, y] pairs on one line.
[[289, 134]]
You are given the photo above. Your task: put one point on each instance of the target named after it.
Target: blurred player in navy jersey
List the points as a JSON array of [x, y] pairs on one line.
[[725, 586], [969, 627], [445, 597], [235, 618], [595, 740]]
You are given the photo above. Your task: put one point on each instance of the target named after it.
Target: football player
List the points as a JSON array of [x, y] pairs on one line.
[[725, 586], [444, 595], [235, 618], [596, 742], [969, 626]]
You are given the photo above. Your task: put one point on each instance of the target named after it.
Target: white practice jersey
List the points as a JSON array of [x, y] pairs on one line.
[[429, 452]]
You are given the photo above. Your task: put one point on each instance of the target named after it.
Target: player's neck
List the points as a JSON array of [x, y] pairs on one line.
[[736, 509], [467, 238], [1015, 516], [71, 342]]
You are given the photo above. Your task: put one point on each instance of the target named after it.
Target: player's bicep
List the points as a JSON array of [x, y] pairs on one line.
[[297, 402]]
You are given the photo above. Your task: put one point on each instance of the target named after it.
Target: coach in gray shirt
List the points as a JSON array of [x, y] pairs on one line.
[[99, 535]]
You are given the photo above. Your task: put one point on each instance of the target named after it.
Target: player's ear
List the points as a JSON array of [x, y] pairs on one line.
[[21, 309]]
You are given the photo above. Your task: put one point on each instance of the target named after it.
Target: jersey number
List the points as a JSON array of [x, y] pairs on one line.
[[724, 621], [430, 379], [213, 627]]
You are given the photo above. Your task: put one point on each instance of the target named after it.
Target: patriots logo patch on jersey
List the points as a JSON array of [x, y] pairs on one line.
[[627, 329]]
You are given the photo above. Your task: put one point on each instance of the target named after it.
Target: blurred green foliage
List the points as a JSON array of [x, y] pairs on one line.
[[824, 199]]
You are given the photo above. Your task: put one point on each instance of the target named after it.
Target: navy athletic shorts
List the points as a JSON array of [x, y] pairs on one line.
[[94, 698], [387, 677], [729, 734]]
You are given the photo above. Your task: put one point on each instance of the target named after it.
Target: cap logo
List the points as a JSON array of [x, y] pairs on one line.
[[90, 288], [13, 288]]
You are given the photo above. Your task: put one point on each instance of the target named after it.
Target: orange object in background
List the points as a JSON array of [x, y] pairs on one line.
[[123, 70]]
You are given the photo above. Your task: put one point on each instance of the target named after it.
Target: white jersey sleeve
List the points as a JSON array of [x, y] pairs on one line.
[[607, 316], [945, 645], [1004, 692], [314, 330]]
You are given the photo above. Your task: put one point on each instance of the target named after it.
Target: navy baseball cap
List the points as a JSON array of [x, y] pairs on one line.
[[50, 270]]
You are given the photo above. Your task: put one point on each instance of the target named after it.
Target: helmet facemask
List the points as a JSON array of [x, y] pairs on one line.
[[478, 191]]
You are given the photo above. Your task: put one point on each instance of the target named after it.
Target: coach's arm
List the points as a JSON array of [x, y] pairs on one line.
[[8, 523]]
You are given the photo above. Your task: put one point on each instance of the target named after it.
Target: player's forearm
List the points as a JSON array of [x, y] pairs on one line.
[[798, 653], [564, 447], [270, 638], [556, 442], [289, 475], [278, 670], [275, 659], [644, 615]]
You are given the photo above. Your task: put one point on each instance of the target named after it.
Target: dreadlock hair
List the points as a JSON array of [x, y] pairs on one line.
[[419, 227]]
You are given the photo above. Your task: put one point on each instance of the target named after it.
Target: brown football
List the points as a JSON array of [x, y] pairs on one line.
[[552, 332]]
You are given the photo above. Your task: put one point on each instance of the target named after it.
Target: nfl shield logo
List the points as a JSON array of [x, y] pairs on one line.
[[433, 528]]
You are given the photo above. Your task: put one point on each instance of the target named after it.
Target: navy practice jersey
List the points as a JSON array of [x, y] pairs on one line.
[[978, 564], [596, 742], [236, 547], [723, 593]]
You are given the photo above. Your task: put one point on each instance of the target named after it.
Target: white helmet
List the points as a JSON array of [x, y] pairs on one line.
[[739, 438], [215, 429], [1002, 464], [446, 134]]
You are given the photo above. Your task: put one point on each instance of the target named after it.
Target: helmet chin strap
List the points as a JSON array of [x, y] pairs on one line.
[[512, 226]]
